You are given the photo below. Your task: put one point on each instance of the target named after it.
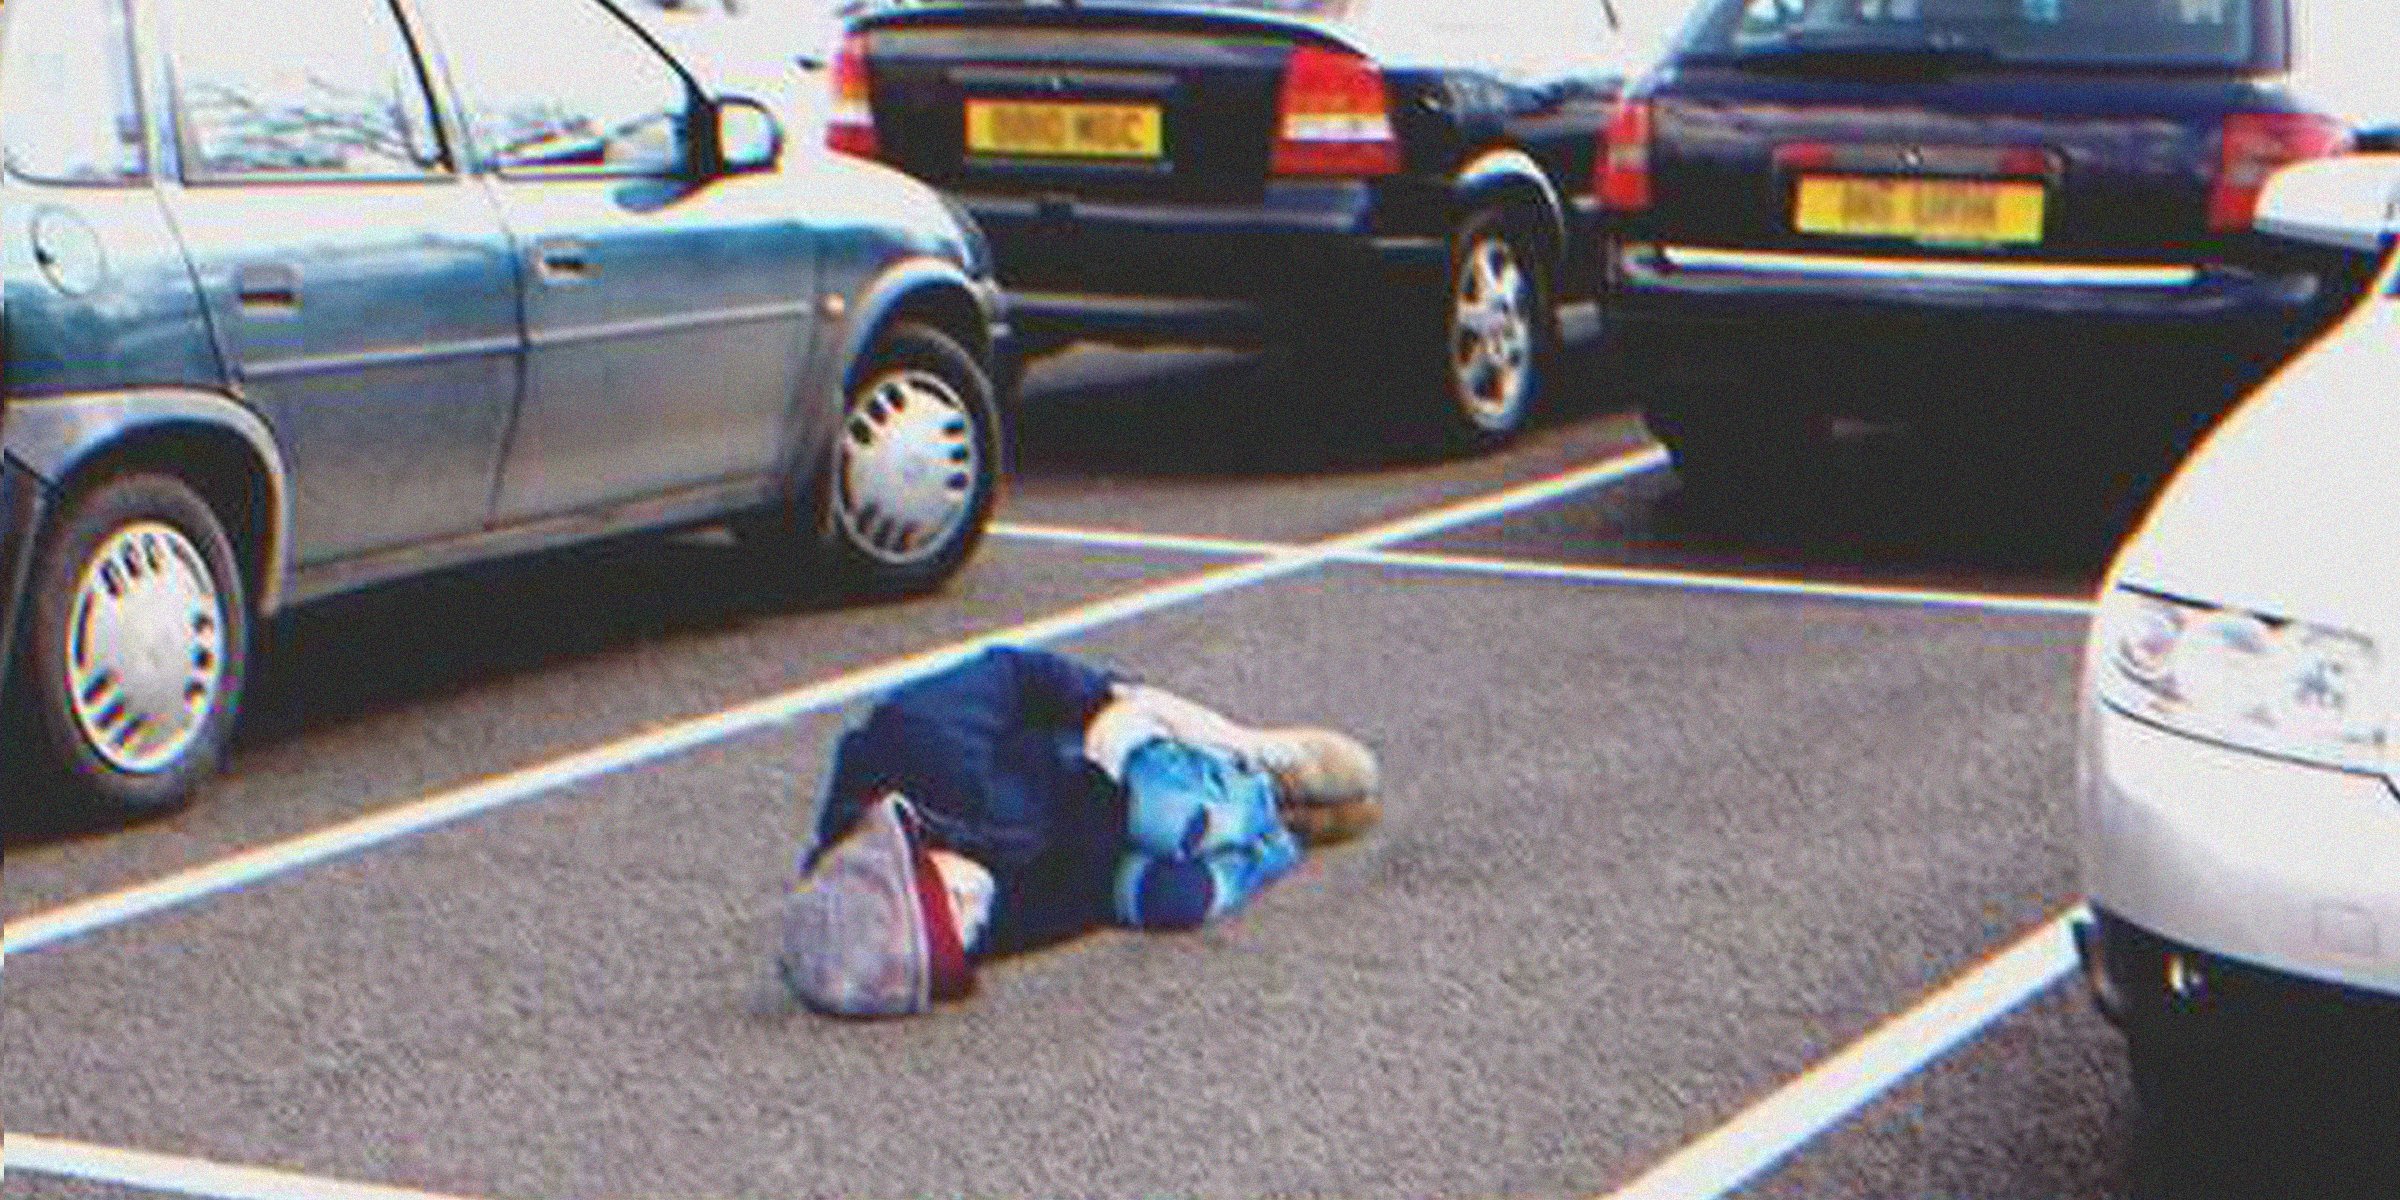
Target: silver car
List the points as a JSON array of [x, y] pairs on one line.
[[308, 295]]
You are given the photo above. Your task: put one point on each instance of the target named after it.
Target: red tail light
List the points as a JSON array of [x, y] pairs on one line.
[[850, 127], [1335, 117], [2256, 146], [1805, 156], [1623, 174]]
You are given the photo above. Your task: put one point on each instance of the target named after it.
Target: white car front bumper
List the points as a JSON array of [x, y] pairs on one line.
[[2288, 867]]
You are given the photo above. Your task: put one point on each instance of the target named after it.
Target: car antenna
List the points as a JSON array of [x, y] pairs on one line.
[[1610, 7]]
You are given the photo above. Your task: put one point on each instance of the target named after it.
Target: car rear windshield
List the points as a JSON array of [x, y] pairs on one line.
[[2167, 33]]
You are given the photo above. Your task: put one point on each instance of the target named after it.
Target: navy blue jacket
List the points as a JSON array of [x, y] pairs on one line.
[[991, 753]]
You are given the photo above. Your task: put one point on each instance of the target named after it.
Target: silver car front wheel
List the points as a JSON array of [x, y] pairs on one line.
[[911, 467], [906, 488]]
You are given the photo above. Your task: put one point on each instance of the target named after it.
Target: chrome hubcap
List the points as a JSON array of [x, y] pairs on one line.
[[145, 648], [910, 465], [1491, 334]]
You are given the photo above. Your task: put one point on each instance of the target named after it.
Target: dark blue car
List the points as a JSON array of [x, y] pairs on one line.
[[1982, 192]]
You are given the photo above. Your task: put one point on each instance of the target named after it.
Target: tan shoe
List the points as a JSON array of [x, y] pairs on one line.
[[1325, 782], [1328, 824]]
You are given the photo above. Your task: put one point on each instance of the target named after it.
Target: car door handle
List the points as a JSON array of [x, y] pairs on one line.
[[563, 260], [268, 288]]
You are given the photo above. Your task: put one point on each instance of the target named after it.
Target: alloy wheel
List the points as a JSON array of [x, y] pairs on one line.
[[1492, 334]]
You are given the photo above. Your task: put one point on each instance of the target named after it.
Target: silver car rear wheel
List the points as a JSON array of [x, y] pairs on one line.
[[145, 648], [135, 653]]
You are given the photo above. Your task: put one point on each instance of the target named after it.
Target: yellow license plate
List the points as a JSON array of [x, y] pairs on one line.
[[1922, 210], [1048, 129]]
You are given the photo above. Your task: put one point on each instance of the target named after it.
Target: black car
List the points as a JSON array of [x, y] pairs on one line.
[[19, 500], [1984, 192], [1394, 185]]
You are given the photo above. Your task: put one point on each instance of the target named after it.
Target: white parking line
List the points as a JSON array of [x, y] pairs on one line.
[[263, 863], [183, 1176], [1825, 1095], [1704, 581], [1654, 577]]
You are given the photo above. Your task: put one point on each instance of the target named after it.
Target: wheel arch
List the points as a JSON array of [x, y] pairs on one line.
[[933, 291], [222, 450], [919, 288], [1510, 177]]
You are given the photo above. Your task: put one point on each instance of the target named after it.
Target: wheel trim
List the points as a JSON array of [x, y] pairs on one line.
[[911, 467], [1491, 334], [145, 653]]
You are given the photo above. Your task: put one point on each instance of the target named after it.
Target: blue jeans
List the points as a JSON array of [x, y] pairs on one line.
[[1203, 836]]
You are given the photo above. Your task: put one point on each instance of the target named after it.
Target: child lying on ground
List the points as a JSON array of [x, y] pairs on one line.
[[1021, 797]]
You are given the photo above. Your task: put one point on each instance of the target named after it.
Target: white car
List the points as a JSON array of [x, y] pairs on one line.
[[2239, 770]]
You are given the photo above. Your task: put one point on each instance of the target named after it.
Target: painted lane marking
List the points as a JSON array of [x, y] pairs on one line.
[[1825, 1095], [1654, 577], [257, 865], [183, 1176], [1758, 585]]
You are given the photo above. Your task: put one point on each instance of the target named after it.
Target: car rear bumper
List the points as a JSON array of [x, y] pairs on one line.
[[1212, 272], [2283, 867], [1660, 283], [21, 502]]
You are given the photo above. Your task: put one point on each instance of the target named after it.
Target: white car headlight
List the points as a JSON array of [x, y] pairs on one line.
[[2282, 687]]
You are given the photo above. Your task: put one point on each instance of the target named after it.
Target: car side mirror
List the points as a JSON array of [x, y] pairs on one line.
[[749, 138], [2352, 202]]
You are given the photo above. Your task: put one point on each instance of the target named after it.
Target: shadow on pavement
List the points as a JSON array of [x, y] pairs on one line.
[[1186, 412], [1896, 504], [2034, 484], [392, 647], [2321, 1127]]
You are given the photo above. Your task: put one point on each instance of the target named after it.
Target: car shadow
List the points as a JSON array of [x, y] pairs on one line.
[[399, 645], [2008, 502], [1186, 412], [389, 648], [1896, 505], [2317, 1124]]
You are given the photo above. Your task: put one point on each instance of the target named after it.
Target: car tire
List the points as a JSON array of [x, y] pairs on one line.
[[1496, 333], [1435, 340], [135, 650], [909, 479]]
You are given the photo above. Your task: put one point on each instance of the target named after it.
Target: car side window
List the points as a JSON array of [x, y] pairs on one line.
[[584, 96], [300, 89], [69, 109]]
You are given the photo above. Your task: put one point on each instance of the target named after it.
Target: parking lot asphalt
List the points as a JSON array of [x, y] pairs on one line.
[[1657, 844]]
